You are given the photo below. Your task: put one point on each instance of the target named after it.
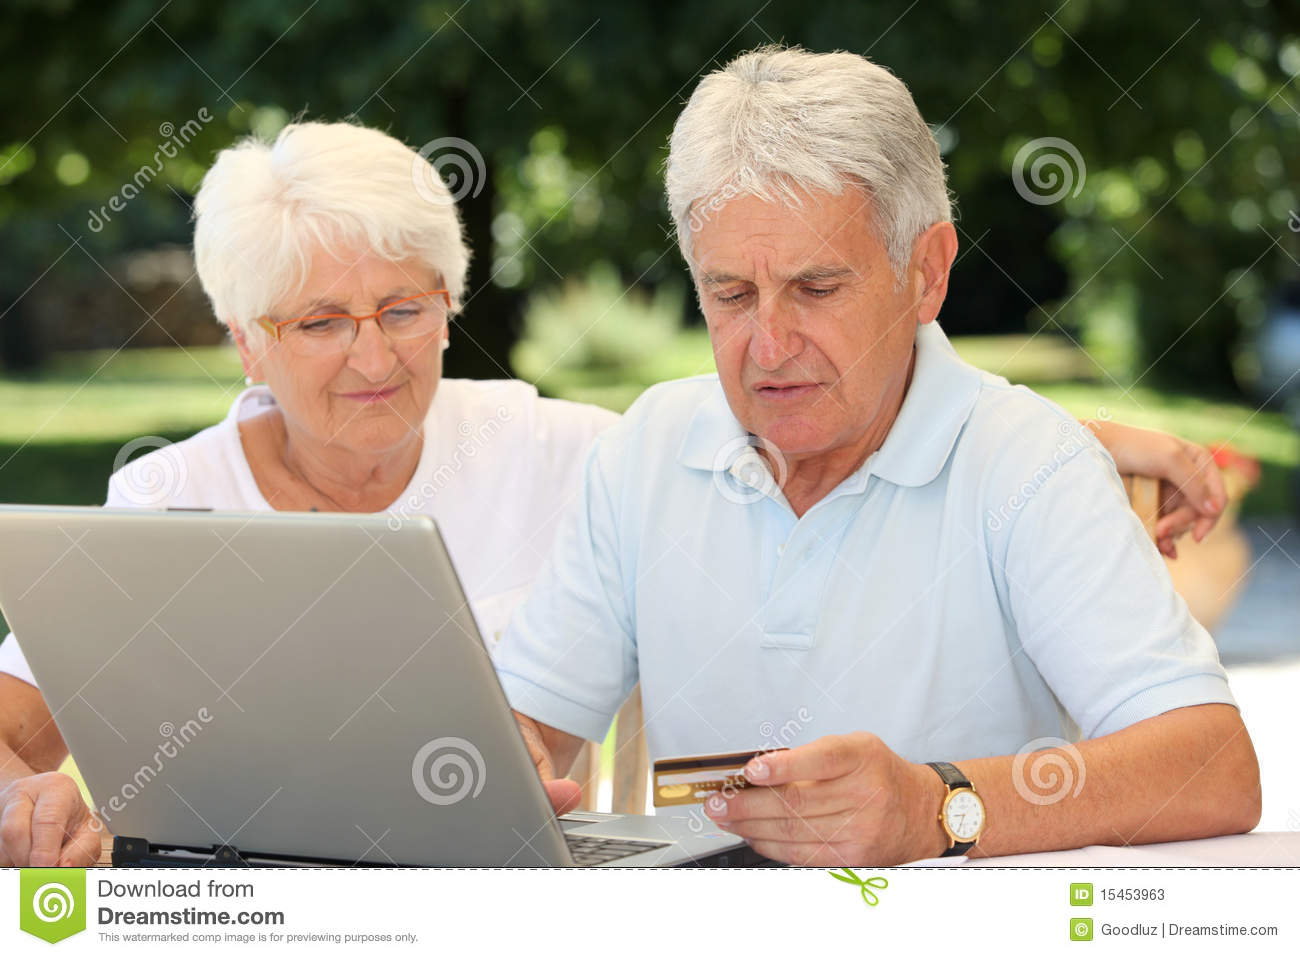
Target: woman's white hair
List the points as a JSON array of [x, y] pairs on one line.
[[779, 122], [264, 208]]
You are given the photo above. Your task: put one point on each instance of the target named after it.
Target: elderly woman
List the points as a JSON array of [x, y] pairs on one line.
[[335, 258]]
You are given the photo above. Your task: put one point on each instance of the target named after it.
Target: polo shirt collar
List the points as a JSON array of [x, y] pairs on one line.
[[712, 431], [938, 403]]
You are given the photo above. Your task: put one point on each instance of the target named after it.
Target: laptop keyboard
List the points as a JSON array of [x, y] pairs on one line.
[[589, 851]]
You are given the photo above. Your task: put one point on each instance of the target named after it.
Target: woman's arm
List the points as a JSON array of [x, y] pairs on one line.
[[1192, 494], [43, 820]]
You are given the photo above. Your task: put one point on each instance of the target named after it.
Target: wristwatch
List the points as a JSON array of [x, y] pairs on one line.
[[962, 814]]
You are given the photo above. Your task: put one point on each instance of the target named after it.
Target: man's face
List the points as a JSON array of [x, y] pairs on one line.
[[810, 336]]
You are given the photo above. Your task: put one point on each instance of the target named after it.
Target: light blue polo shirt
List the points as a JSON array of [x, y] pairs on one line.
[[978, 584]]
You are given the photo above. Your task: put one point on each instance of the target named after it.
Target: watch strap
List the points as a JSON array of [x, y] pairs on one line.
[[952, 776]]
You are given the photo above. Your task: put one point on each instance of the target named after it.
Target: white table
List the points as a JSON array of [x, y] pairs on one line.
[[1256, 849]]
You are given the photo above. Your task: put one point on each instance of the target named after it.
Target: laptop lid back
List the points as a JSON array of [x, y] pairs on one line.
[[309, 685]]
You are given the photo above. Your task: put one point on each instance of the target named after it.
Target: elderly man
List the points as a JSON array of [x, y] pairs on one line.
[[930, 578]]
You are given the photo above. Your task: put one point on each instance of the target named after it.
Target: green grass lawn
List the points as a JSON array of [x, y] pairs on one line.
[[87, 396], [61, 431]]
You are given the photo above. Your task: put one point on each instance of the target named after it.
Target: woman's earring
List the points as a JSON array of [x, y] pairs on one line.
[[248, 380], [446, 344]]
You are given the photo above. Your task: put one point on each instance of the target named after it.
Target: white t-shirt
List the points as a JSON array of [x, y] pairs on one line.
[[498, 467]]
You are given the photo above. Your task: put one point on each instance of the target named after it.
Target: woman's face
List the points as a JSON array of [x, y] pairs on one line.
[[373, 397]]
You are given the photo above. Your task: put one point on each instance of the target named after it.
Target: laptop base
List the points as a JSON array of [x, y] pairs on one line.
[[137, 852]]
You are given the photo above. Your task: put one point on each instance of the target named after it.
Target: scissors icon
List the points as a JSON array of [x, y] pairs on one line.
[[868, 895]]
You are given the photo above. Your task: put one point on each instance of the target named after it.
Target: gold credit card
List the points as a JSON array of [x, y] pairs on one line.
[[690, 780]]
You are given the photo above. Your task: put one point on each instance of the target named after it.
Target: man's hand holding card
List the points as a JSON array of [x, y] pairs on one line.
[[839, 799]]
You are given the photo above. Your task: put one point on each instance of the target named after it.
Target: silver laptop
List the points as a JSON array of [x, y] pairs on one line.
[[292, 688]]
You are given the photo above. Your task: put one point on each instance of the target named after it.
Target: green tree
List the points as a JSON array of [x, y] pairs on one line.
[[1184, 117]]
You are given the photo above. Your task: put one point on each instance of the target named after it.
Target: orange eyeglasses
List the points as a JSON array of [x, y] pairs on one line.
[[410, 318]]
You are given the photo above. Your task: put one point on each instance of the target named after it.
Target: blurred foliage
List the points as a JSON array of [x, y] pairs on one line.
[[1185, 117], [599, 341]]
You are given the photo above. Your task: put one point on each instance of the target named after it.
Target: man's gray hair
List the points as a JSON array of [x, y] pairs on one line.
[[779, 122]]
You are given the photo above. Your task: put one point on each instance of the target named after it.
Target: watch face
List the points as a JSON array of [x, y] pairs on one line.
[[964, 815]]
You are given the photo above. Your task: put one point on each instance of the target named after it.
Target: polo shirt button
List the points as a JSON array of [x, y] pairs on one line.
[[780, 549]]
